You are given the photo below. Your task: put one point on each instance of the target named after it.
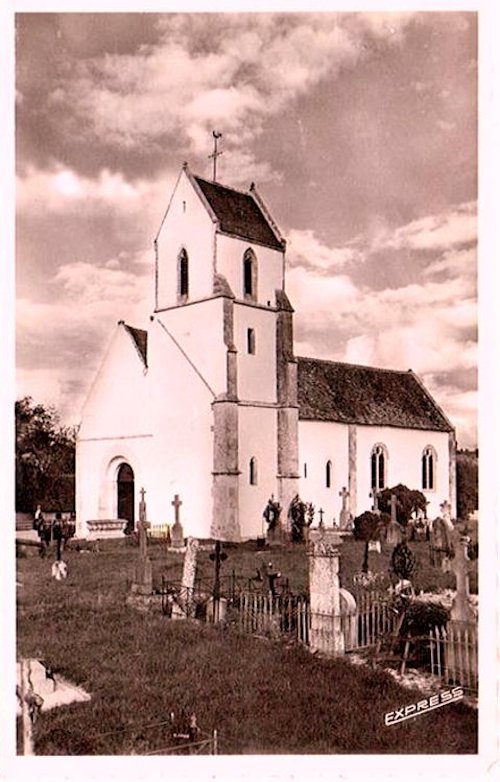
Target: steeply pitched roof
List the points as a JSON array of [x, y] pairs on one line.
[[140, 339], [352, 394], [239, 213]]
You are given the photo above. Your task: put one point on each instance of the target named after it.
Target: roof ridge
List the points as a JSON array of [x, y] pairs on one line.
[[226, 187], [357, 366]]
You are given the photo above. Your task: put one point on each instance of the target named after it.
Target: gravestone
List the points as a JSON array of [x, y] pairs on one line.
[[272, 517], [441, 544], [177, 533], [394, 534], [326, 634], [374, 545], [349, 619], [461, 610], [445, 509], [345, 518], [143, 578], [185, 607]]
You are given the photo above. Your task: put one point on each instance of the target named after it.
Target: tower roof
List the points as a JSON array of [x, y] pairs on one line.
[[354, 394], [239, 214]]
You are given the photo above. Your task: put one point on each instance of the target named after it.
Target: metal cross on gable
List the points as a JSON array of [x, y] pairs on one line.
[[215, 154]]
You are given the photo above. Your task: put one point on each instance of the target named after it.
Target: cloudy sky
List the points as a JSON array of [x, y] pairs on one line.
[[359, 130]]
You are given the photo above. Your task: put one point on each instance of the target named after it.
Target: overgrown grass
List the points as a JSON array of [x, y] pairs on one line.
[[262, 696]]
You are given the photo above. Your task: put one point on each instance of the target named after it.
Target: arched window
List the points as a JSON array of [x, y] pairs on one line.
[[428, 468], [250, 274], [253, 471], [378, 467], [183, 274], [328, 474]]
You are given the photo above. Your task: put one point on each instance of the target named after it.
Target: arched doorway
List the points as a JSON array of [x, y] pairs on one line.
[[125, 489]]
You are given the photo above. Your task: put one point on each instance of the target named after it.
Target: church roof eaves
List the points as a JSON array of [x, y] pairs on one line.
[[240, 214], [140, 340], [356, 394]]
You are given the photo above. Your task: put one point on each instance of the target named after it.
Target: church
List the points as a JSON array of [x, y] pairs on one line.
[[210, 407]]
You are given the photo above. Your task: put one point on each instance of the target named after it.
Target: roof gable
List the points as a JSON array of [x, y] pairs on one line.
[[353, 394], [239, 214]]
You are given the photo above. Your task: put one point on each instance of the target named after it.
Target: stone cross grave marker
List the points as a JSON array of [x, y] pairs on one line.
[[324, 588], [143, 581], [345, 514], [185, 608], [177, 533], [374, 496]]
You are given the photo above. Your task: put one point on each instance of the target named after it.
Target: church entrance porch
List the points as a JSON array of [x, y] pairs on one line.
[[125, 496]]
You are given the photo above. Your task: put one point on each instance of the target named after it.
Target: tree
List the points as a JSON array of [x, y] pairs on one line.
[[467, 483], [408, 502], [45, 458]]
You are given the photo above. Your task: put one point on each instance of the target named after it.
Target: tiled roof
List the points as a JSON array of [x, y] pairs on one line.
[[239, 213], [140, 338], [352, 394]]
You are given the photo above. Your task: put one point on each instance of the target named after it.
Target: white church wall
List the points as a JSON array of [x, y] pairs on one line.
[[188, 225], [182, 454], [404, 465], [230, 251], [98, 463], [198, 330], [111, 415], [257, 372], [320, 442], [257, 439]]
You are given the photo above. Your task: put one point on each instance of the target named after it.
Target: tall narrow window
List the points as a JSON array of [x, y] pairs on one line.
[[250, 274], [305, 470], [378, 467], [428, 468], [253, 471], [183, 274], [328, 474], [251, 341]]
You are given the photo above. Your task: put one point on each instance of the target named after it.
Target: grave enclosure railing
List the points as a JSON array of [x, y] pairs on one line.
[[449, 653], [454, 654]]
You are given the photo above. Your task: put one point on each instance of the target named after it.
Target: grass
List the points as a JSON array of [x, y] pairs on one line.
[[263, 697]]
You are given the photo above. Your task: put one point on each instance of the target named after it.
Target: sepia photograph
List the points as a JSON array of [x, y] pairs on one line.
[[247, 517]]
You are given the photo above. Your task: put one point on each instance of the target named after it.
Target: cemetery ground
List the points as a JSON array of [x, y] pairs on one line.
[[263, 696]]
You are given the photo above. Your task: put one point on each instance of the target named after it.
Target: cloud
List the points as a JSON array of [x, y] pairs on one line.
[[231, 70], [77, 325], [455, 227], [61, 190], [304, 248], [428, 325]]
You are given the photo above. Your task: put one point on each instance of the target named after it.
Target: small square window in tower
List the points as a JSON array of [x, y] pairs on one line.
[[251, 341]]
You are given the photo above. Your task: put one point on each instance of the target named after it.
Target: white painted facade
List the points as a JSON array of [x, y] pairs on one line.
[[217, 391], [320, 442]]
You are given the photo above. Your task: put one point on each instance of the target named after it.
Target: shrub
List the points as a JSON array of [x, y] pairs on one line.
[[403, 562], [370, 526], [409, 502]]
